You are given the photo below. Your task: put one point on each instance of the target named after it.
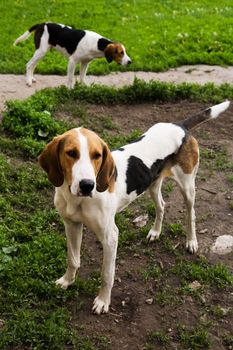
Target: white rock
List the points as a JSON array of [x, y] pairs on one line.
[[223, 244], [195, 285], [141, 220], [149, 301]]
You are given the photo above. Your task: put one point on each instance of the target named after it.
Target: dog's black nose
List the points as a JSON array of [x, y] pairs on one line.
[[129, 62], [86, 186]]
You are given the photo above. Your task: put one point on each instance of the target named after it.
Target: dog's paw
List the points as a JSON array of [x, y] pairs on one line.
[[153, 235], [192, 246], [100, 306], [63, 282], [70, 85], [33, 79], [29, 83]]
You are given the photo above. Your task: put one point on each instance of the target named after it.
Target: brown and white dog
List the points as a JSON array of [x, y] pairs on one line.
[[93, 184], [78, 45]]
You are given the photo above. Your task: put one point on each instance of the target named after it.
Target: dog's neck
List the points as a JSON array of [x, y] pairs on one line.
[[103, 43]]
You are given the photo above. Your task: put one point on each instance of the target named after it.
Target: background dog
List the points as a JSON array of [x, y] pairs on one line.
[[78, 45]]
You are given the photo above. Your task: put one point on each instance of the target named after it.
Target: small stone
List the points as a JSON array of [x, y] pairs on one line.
[[203, 299], [223, 245], [123, 303], [195, 285], [161, 264], [141, 220], [205, 230], [149, 301], [225, 310]]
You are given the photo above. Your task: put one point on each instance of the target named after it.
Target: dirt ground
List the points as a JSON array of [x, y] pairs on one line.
[[131, 318], [14, 87]]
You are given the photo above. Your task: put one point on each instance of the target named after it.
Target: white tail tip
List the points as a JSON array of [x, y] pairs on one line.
[[220, 108]]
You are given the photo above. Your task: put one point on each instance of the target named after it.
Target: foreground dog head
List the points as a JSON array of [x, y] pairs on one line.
[[80, 158], [116, 52]]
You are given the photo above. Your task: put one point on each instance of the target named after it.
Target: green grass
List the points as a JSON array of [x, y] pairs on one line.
[[195, 338], [200, 270], [158, 35]]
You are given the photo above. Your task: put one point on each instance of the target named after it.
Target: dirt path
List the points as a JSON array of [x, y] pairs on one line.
[[13, 86]]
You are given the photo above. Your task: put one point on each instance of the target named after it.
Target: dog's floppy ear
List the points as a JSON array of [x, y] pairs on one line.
[[107, 170], [109, 51], [49, 161]]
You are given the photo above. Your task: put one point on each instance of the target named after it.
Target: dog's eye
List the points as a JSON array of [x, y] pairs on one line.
[[72, 154], [122, 53], [96, 156]]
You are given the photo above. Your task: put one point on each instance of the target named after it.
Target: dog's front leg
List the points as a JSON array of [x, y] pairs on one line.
[[109, 242], [74, 241]]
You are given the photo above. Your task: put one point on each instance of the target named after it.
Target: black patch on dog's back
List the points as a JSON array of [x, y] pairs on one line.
[[139, 177], [64, 36]]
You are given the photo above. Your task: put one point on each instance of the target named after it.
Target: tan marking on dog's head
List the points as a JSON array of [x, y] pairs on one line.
[[101, 159], [69, 153], [59, 156], [114, 52]]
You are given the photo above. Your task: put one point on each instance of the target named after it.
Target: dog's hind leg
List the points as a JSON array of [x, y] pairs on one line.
[[38, 55], [156, 195]]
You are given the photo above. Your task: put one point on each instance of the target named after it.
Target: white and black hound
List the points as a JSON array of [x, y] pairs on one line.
[[93, 184], [80, 46]]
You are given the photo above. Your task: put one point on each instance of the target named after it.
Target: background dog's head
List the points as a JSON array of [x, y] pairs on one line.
[[116, 52]]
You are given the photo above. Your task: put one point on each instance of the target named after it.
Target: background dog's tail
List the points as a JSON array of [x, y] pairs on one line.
[[204, 116], [25, 35]]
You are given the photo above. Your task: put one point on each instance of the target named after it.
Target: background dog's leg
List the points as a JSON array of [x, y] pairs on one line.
[[74, 241], [32, 64], [70, 73], [109, 242], [186, 183], [83, 71], [156, 195]]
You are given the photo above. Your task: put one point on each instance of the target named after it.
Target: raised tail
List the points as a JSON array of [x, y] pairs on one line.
[[202, 117], [25, 35]]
